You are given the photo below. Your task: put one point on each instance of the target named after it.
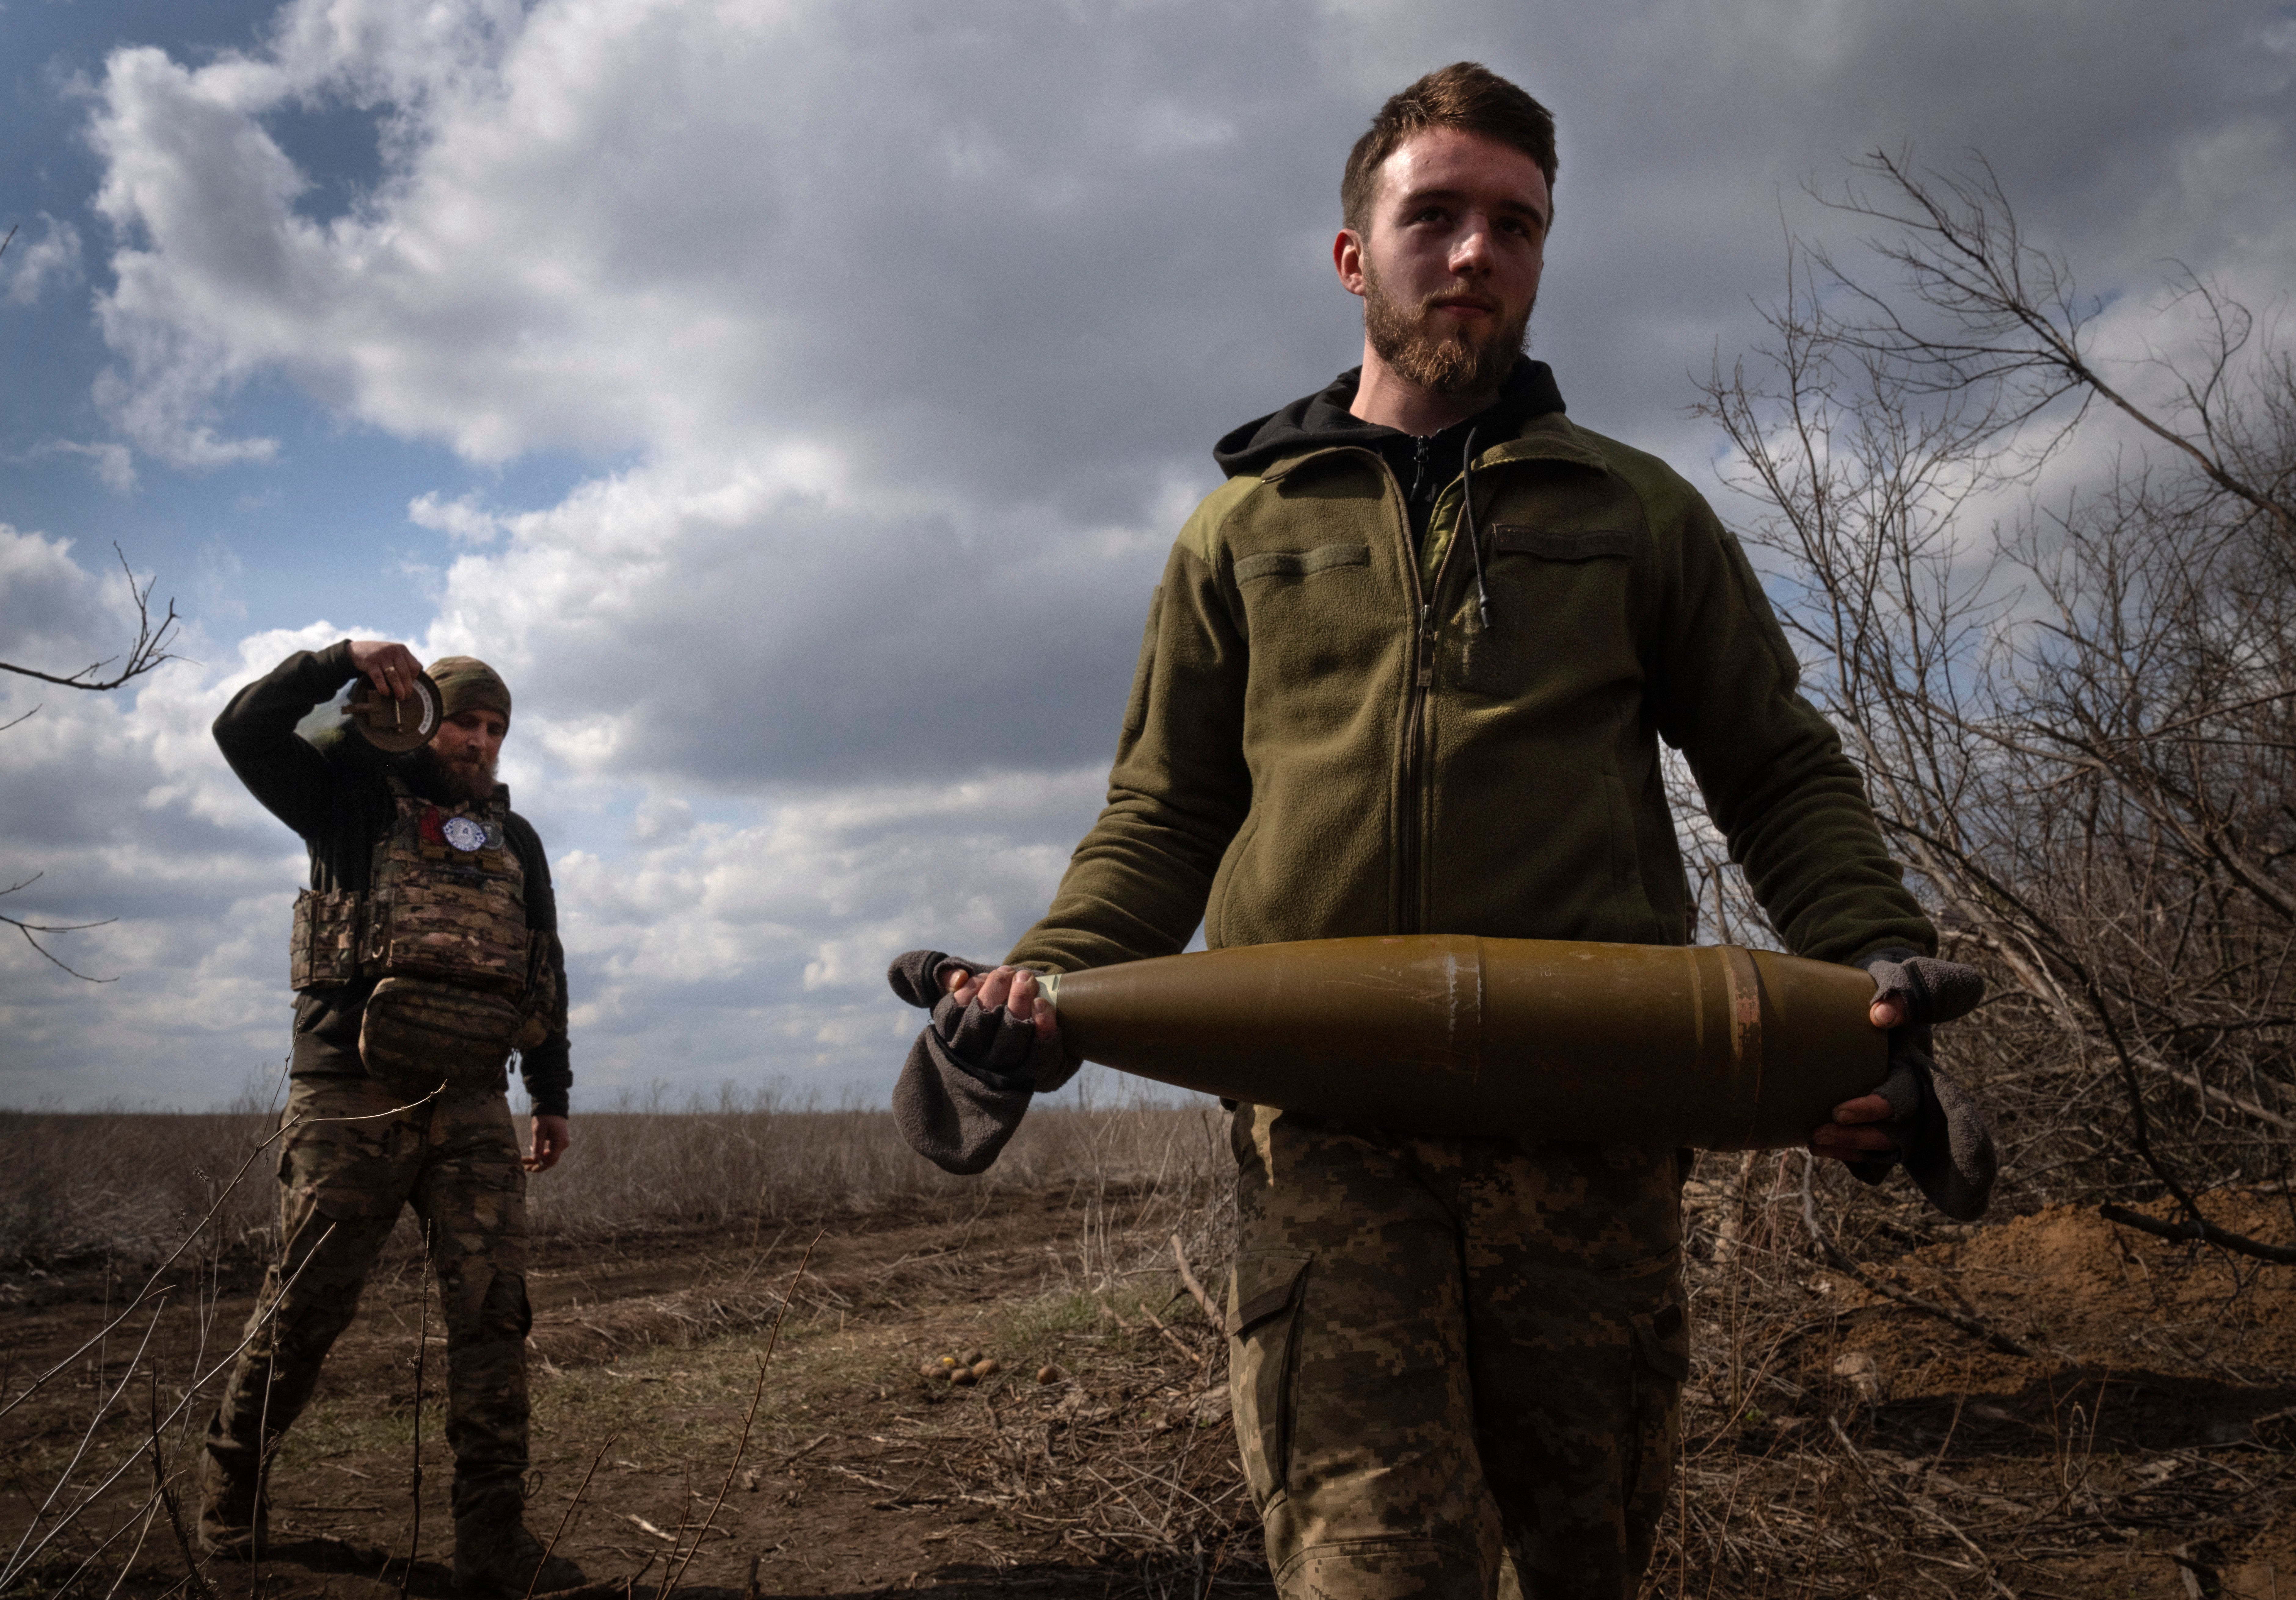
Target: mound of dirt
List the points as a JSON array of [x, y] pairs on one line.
[[2162, 1403], [2097, 1296]]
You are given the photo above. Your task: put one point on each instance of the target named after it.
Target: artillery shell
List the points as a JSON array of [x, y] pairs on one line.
[[1715, 1046]]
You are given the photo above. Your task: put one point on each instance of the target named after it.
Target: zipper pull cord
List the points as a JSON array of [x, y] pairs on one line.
[[1474, 539]]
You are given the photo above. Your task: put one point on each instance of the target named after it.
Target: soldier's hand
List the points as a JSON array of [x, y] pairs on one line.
[[1015, 990], [1911, 992], [1851, 1136], [551, 1138], [389, 667]]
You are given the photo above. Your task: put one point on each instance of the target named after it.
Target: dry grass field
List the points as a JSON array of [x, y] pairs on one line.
[[1839, 1439]]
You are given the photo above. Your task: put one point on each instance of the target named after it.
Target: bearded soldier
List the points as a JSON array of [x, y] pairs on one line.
[[424, 953], [1409, 671]]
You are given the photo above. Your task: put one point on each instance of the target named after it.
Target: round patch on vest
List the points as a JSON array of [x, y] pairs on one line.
[[464, 835]]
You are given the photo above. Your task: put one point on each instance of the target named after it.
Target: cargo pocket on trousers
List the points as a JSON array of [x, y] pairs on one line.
[[496, 1308], [1263, 1301], [1662, 1366]]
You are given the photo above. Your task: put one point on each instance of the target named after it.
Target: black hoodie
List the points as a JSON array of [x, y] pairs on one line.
[[1422, 466]]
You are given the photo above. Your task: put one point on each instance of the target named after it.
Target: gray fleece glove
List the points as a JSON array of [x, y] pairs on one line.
[[971, 1074], [1944, 1140]]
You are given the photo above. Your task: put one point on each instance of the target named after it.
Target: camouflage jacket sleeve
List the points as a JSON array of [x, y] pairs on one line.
[[547, 1070]]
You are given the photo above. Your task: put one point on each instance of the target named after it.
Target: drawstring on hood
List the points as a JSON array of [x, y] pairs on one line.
[[1467, 527]]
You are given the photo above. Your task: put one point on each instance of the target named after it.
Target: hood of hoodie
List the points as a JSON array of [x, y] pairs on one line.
[[1321, 421]]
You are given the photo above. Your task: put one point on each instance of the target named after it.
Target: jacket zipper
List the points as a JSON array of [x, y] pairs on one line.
[[1414, 714], [1422, 458]]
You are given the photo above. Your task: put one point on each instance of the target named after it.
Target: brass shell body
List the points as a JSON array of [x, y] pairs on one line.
[[1715, 1046]]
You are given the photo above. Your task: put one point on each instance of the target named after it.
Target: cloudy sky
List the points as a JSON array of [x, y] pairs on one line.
[[795, 401]]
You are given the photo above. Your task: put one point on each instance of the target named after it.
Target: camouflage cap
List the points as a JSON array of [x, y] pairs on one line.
[[467, 683]]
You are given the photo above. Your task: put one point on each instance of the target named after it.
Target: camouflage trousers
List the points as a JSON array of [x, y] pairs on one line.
[[350, 1163], [1456, 1362]]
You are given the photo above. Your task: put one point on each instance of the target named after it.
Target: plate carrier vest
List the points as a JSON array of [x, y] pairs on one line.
[[442, 924]]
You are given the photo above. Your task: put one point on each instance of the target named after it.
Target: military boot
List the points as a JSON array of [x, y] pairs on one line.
[[233, 1516], [495, 1552]]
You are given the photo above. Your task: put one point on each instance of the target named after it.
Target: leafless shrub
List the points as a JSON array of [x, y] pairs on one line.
[[123, 1185], [2065, 669], [2076, 717], [651, 1160]]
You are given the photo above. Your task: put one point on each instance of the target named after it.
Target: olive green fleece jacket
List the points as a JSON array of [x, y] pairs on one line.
[[1323, 740]]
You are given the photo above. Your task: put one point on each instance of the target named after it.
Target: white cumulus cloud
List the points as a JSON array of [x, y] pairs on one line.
[[28, 267], [889, 341]]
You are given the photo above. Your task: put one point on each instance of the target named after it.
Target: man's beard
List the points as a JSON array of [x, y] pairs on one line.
[[462, 777], [1456, 364]]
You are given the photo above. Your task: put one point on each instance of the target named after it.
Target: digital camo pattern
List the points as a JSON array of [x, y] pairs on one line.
[[1456, 1362], [323, 952], [434, 911], [350, 1163]]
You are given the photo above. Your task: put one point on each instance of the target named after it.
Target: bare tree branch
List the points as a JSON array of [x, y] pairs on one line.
[[29, 929], [2198, 1229], [149, 651], [2023, 321]]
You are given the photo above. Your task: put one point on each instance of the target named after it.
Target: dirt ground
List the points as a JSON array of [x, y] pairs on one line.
[[858, 1476], [1854, 1445], [1835, 1443]]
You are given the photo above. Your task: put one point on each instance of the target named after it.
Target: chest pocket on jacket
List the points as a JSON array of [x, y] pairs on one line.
[[1300, 564], [1544, 582]]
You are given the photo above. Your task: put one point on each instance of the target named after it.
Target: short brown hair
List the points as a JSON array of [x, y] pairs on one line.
[[1466, 95]]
